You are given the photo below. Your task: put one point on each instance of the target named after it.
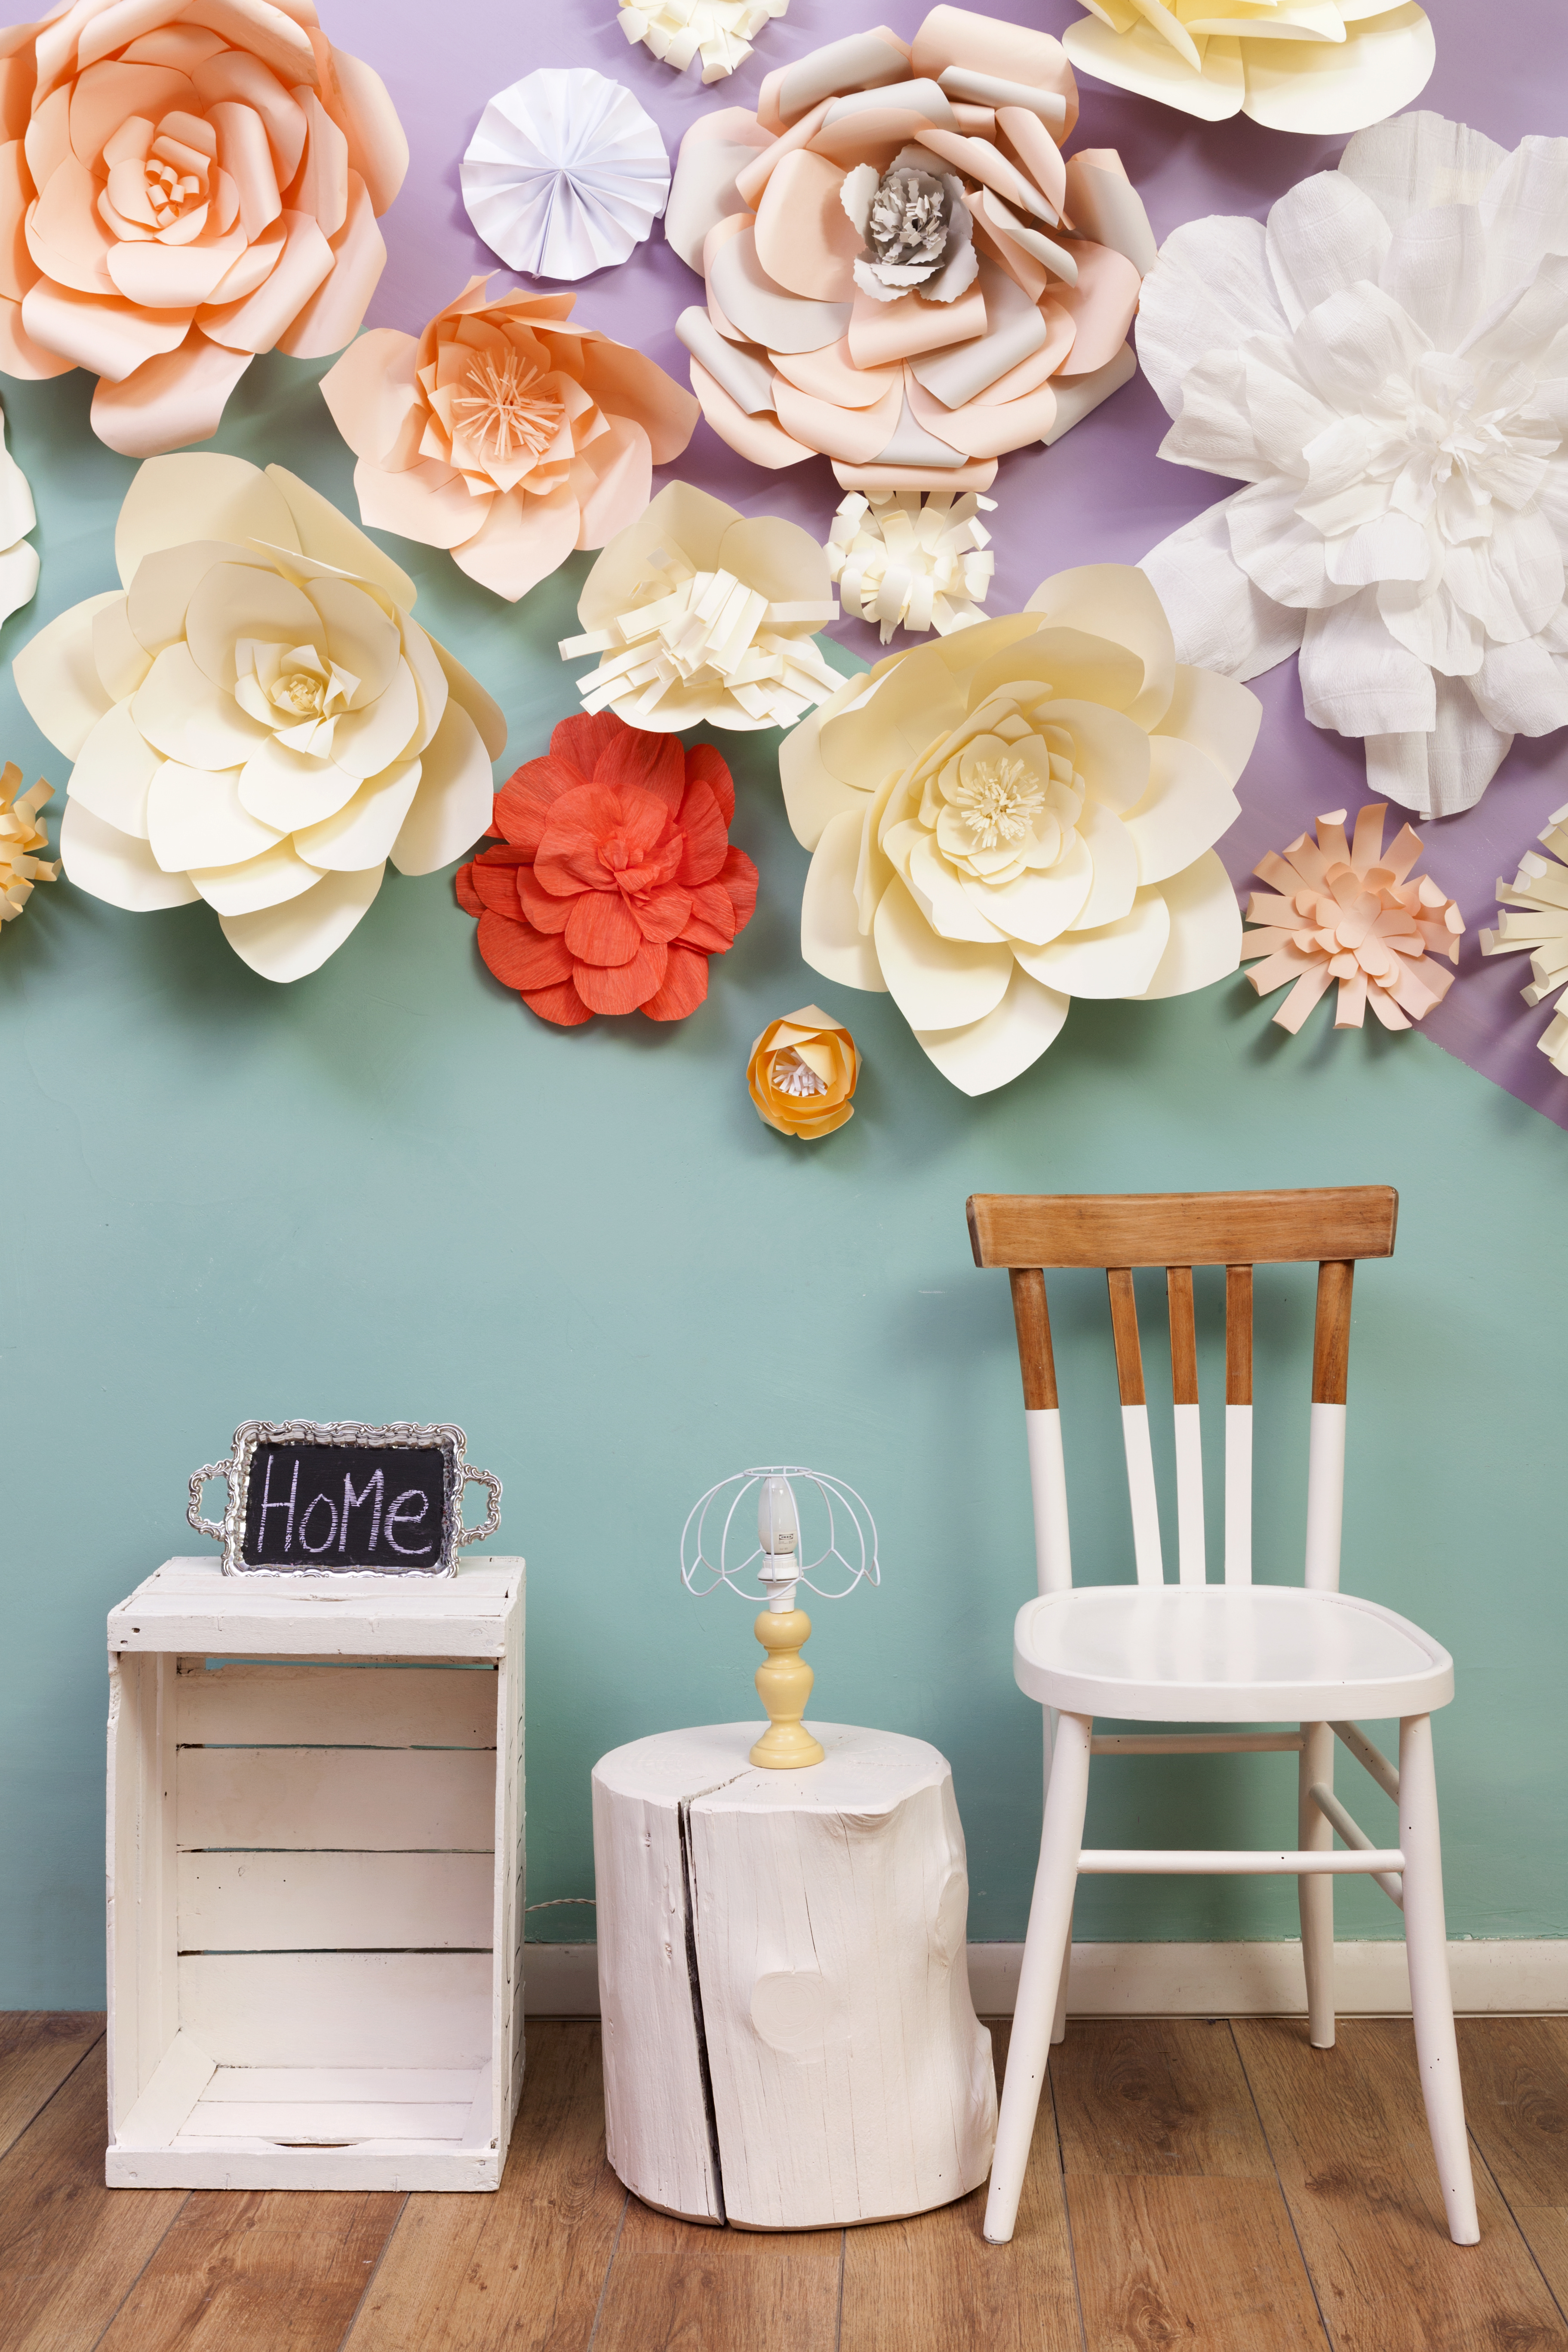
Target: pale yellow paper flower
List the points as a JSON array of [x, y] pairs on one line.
[[803, 1071], [704, 618], [21, 838], [1317, 65], [1535, 918], [904, 562]]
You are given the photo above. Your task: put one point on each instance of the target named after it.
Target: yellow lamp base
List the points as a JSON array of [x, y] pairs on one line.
[[783, 1686]]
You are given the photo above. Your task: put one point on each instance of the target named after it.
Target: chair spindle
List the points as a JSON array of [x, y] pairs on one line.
[[1135, 1426], [1043, 1430], [1326, 1449], [1189, 1434], [1239, 1424]]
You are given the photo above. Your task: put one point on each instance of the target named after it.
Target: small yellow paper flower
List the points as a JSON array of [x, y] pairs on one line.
[[803, 1071], [21, 835]]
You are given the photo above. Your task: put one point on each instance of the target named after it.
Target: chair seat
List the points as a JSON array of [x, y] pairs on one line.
[[1224, 1654]]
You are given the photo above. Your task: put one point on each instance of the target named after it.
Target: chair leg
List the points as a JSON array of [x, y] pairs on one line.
[[1316, 1895], [1431, 1998], [1045, 1952], [1059, 2022]]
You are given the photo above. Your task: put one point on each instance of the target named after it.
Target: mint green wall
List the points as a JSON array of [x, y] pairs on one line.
[[388, 1192]]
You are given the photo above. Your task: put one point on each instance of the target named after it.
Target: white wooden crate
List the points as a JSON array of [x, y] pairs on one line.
[[315, 1879]]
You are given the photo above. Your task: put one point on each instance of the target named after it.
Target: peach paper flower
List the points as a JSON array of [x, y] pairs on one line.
[[21, 838], [1349, 911], [188, 183], [504, 433], [902, 273], [803, 1073]]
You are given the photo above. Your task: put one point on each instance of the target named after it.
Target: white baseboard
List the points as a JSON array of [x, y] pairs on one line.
[[1494, 1975]]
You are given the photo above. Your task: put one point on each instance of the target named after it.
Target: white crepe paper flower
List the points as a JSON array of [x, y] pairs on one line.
[[255, 717], [18, 556], [905, 561], [1317, 66], [1534, 917], [1387, 366], [1020, 815], [565, 173], [705, 617], [719, 31]]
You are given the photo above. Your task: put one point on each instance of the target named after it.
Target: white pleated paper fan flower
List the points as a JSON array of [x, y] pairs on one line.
[[1385, 366], [565, 173]]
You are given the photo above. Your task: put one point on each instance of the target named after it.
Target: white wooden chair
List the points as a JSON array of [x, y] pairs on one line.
[[1193, 1651]]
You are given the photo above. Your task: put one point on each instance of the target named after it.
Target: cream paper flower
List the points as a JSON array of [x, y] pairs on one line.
[[704, 618], [1297, 65], [720, 31], [1534, 917], [18, 556], [908, 563], [1022, 815], [254, 717], [1385, 365]]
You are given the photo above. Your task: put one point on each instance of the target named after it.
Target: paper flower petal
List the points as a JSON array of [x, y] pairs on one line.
[[992, 1052], [290, 941], [1362, 60], [116, 867], [565, 173]]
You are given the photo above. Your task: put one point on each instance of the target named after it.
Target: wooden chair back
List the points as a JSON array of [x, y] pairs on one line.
[[1029, 1233]]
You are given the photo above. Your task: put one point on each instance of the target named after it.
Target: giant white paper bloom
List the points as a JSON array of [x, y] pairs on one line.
[[1298, 65], [1020, 815], [254, 717], [1386, 365]]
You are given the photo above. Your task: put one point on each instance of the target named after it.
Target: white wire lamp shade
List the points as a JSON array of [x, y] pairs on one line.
[[830, 1548]]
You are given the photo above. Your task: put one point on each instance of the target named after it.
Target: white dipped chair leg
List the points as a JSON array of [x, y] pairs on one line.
[[1316, 1895], [1431, 1998], [1045, 1956]]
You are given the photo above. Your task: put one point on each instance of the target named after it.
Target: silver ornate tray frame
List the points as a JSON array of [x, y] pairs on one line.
[[230, 1530]]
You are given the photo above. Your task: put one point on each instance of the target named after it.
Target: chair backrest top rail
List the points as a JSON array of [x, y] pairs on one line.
[[1341, 1223]]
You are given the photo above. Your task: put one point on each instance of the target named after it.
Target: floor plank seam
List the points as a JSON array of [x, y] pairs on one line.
[[152, 2253], [1066, 2201], [1280, 2185], [609, 2266], [375, 2274], [17, 2137], [838, 2322], [1503, 2198]]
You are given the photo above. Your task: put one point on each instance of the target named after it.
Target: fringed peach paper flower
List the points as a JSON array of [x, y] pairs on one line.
[[614, 880], [704, 617], [1320, 65], [904, 562], [719, 32], [504, 433], [21, 838], [1535, 915], [803, 1071], [1352, 911], [902, 273], [255, 717], [187, 185]]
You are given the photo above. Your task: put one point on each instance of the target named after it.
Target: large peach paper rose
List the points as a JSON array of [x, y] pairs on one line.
[[187, 183], [1021, 815], [505, 434], [902, 273], [256, 717]]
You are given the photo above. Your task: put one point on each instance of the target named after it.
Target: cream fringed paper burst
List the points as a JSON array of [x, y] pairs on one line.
[[21, 838], [565, 173], [1385, 367], [704, 617], [1352, 911], [719, 31], [1535, 915], [907, 563], [1296, 64]]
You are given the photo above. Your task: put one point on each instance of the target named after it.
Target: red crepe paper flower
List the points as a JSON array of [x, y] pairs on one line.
[[613, 880]]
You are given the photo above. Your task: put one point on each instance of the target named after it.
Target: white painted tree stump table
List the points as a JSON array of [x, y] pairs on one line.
[[789, 2040]]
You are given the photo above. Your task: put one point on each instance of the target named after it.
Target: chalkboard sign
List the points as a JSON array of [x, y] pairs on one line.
[[341, 1497]]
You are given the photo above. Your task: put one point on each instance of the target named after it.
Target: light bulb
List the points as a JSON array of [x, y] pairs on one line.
[[778, 1530]]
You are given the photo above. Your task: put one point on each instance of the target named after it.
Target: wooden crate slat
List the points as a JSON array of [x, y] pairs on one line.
[[260, 1703], [326, 2121], [338, 2009], [352, 1799], [334, 1902], [438, 2086]]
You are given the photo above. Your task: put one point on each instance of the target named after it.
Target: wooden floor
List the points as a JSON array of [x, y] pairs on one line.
[[1196, 2188]]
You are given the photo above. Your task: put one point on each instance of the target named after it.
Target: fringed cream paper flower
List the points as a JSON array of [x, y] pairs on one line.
[[504, 433], [565, 173], [901, 272], [905, 561], [705, 617], [21, 838], [1320, 66], [719, 31], [191, 182], [1386, 365], [255, 717], [1352, 911], [1021, 816], [1535, 915], [803, 1073]]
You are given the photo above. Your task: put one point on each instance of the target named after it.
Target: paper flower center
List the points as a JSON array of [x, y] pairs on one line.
[[791, 1076], [1446, 449], [911, 213], [501, 412], [998, 800], [169, 190], [299, 692]]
